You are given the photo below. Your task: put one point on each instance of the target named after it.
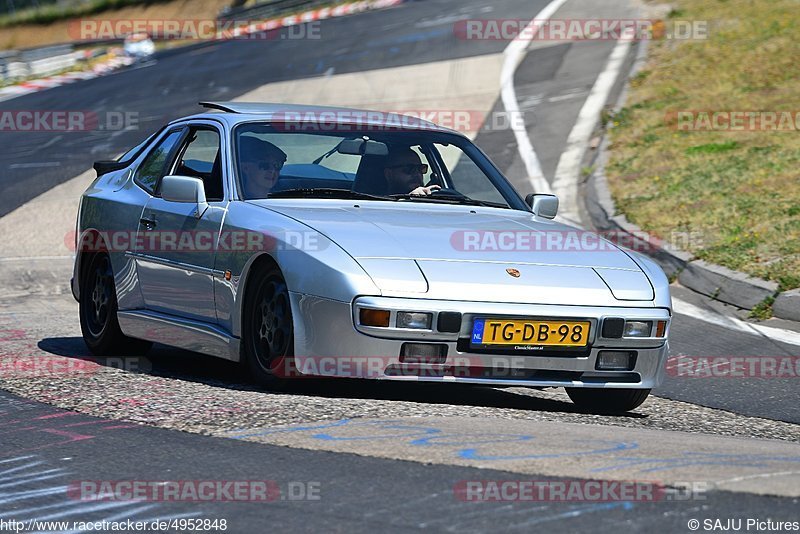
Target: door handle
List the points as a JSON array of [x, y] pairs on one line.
[[148, 224]]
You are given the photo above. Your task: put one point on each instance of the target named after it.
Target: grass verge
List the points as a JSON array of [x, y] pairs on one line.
[[735, 194], [29, 35]]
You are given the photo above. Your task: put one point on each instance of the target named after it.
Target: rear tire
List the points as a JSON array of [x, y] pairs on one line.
[[268, 330], [604, 401], [98, 312]]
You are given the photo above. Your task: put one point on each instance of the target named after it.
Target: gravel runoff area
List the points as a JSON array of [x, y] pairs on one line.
[[40, 351]]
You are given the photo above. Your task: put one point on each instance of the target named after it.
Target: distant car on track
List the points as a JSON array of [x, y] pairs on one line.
[[304, 240], [138, 46]]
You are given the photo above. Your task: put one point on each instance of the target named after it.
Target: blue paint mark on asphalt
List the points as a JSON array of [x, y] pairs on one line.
[[472, 454], [477, 446], [341, 422], [413, 431], [469, 439]]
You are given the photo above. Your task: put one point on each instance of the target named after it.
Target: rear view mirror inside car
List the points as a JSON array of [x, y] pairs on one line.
[[361, 147]]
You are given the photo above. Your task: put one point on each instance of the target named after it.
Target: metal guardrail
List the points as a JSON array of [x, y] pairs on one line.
[[266, 10], [18, 65]]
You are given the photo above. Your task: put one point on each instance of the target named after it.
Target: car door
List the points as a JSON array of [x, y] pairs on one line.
[[175, 247]]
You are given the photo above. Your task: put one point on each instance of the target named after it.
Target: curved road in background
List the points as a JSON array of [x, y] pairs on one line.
[[552, 84]]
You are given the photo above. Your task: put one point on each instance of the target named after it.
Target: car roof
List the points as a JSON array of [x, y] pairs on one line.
[[234, 113]]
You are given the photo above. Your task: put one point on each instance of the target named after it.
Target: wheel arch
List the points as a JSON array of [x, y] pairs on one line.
[[90, 241], [257, 265]]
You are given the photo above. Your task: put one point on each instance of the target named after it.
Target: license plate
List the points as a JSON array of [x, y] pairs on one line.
[[530, 332]]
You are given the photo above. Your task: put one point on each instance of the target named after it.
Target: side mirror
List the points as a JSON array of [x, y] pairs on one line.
[[545, 206], [186, 190]]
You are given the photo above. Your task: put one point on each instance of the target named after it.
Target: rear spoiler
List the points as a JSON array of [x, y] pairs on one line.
[[105, 167]]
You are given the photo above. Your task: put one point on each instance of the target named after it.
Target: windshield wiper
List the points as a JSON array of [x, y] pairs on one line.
[[326, 192], [326, 154], [449, 198]]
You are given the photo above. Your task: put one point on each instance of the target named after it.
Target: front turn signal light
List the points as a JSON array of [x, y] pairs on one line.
[[661, 328], [368, 317]]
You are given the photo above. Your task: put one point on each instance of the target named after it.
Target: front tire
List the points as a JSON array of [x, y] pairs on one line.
[[607, 401], [268, 330], [98, 312]]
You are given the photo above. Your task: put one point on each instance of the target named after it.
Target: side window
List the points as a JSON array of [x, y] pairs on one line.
[[200, 158], [152, 168], [134, 152], [423, 158], [466, 177]]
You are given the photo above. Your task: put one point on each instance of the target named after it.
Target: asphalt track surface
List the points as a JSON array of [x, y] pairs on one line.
[[172, 86], [359, 493], [551, 84], [343, 492]]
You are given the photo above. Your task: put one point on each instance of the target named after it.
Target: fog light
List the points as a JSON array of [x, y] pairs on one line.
[[374, 317], [608, 360], [423, 353], [638, 328], [418, 320]]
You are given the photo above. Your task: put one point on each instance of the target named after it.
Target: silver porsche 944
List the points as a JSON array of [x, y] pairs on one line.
[[310, 241]]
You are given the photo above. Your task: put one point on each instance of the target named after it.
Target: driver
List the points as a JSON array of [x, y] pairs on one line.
[[404, 172], [260, 163]]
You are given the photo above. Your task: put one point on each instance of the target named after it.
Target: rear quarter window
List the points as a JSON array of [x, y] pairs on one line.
[[152, 168]]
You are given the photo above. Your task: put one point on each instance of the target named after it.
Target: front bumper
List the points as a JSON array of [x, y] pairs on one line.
[[328, 343]]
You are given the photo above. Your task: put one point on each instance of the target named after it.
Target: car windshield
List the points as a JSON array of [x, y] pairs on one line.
[[367, 165]]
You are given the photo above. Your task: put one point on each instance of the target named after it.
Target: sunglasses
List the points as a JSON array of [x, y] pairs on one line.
[[412, 168], [270, 166], [265, 165]]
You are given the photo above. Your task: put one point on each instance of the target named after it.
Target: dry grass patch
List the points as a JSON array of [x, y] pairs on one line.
[[735, 194], [33, 35]]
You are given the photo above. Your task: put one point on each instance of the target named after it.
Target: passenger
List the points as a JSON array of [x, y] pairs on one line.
[[260, 163], [404, 172]]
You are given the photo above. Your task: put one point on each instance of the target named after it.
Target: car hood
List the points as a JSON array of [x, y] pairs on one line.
[[473, 253]]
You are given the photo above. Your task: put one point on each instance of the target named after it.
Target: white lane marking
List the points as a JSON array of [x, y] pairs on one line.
[[33, 258], [514, 53], [567, 177], [52, 141], [24, 466], [567, 96], [34, 165], [18, 459], [529, 102], [714, 317]]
